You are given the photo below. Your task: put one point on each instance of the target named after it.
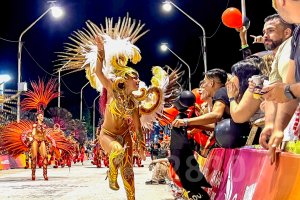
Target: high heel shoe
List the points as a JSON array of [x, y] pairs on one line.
[[33, 166], [112, 184], [45, 174]]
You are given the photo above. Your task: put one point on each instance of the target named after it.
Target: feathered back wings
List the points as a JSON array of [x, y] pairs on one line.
[[164, 90], [13, 138]]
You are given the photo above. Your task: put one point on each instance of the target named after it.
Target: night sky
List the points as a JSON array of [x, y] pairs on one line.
[[183, 36]]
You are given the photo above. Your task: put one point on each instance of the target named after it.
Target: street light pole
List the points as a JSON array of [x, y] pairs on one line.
[[57, 13], [202, 28], [80, 114], [59, 83], [19, 59], [164, 46], [94, 116], [58, 100]]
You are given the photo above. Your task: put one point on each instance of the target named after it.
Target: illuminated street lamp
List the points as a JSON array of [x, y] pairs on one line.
[[164, 47], [167, 6], [56, 12]]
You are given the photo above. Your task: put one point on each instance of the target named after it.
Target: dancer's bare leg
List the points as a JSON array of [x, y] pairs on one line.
[[43, 153], [34, 151], [127, 169], [116, 153]]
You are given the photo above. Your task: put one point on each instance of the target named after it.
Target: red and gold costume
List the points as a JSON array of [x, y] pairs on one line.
[[99, 155], [27, 136], [39, 143], [38, 99]]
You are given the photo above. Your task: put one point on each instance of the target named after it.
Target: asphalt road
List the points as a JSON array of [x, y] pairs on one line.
[[80, 182]]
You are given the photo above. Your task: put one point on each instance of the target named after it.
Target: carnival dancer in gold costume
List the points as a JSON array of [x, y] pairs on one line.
[[104, 54]]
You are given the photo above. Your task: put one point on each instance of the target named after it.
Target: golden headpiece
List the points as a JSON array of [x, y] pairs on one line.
[[119, 39]]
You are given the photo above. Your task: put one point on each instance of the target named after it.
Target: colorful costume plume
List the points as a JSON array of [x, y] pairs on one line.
[[78, 131], [61, 117], [40, 96], [13, 138], [119, 39]]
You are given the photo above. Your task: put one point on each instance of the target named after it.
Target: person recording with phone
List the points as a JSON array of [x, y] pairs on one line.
[[240, 96]]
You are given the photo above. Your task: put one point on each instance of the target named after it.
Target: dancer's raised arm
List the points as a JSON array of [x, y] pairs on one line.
[[107, 83]]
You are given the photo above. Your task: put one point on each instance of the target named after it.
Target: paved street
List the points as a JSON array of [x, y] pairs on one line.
[[80, 182]]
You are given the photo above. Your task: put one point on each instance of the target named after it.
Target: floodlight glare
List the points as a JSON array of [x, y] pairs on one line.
[[57, 12], [4, 78], [167, 6], [163, 47]]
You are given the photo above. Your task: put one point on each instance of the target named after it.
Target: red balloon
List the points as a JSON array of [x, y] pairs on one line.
[[232, 18]]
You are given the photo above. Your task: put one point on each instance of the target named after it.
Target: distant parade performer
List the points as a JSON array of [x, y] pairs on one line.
[[104, 52], [34, 137], [136, 157], [81, 154], [99, 156], [96, 156]]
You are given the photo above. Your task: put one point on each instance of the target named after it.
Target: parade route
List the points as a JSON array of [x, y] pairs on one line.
[[80, 182]]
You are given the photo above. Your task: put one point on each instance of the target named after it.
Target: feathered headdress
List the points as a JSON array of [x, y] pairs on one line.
[[79, 131], [119, 39], [61, 117], [40, 96]]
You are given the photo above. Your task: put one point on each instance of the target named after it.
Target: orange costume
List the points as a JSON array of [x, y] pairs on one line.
[[25, 136]]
